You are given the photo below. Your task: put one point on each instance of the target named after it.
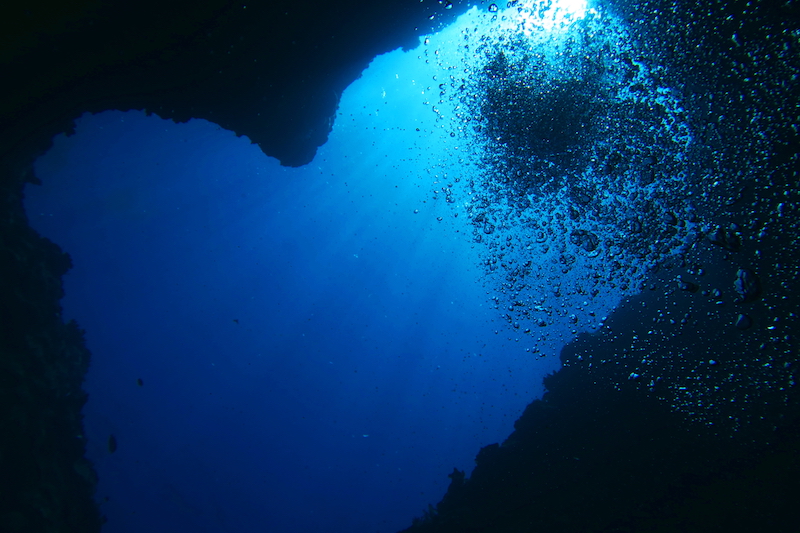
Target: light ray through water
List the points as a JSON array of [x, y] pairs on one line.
[[381, 313]]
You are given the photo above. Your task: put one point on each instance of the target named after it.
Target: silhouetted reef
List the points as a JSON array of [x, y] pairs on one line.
[[46, 484], [600, 452]]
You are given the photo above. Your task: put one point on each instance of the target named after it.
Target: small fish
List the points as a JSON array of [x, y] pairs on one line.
[[112, 443], [140, 382]]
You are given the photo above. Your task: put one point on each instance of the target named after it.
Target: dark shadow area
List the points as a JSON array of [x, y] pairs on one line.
[[273, 71]]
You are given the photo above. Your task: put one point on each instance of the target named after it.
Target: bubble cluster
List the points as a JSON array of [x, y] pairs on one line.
[[578, 186], [586, 182]]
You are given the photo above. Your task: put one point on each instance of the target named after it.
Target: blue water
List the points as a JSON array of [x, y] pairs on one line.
[[317, 350], [318, 347]]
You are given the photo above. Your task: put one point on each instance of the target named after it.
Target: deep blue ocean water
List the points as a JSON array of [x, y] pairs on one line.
[[311, 349]]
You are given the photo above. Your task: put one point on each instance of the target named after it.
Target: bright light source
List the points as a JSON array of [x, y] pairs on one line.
[[549, 14]]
